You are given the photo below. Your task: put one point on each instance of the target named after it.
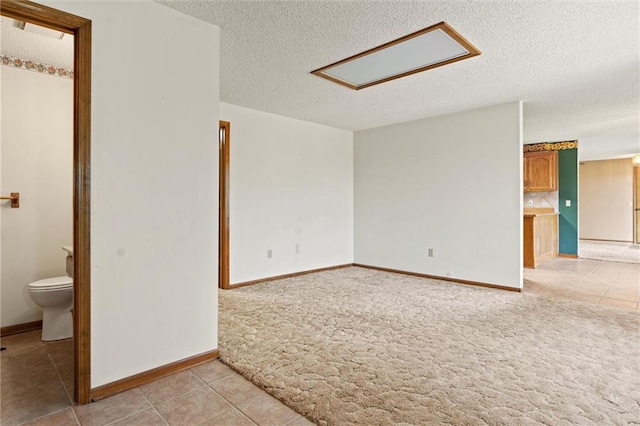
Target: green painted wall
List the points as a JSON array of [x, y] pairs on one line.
[[568, 190]]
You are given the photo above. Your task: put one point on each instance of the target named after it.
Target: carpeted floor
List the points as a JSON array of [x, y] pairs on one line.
[[609, 250], [358, 346]]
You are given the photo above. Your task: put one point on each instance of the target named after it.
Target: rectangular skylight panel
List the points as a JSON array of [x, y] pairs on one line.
[[431, 47], [427, 49]]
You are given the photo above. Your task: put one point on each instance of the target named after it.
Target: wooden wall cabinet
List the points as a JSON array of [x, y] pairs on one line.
[[540, 171]]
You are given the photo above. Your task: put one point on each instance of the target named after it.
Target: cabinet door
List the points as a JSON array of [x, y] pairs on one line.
[[541, 172]]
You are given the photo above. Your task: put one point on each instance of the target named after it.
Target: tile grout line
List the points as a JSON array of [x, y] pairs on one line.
[[55, 367], [153, 407], [256, 397], [75, 415], [225, 399], [132, 414], [42, 417], [173, 397], [609, 286]]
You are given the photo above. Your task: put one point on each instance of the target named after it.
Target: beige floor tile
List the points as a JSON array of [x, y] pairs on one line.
[[61, 418], [21, 343], [30, 386], [550, 292], [113, 408], [171, 386], [230, 418], [60, 348], [584, 298], [193, 408], [302, 421], [590, 290], [622, 294], [212, 371], [631, 281], [236, 389], [145, 418], [615, 303], [592, 281], [265, 410]]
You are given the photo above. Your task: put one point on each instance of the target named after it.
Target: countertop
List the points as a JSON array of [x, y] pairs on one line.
[[539, 211]]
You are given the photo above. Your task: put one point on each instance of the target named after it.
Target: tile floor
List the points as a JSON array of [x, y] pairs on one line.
[[37, 389], [603, 283], [37, 379]]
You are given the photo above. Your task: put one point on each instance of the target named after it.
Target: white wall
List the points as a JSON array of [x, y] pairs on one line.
[[451, 183], [606, 200], [37, 161], [291, 182], [154, 186]]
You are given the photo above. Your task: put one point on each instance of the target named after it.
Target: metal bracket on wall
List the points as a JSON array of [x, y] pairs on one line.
[[15, 199]]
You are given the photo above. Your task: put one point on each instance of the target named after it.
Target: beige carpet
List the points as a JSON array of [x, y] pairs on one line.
[[358, 346]]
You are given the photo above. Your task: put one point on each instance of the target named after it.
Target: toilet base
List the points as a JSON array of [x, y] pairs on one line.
[[57, 324]]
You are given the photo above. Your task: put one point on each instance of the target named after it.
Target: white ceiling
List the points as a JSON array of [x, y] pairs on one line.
[[26, 45], [576, 65]]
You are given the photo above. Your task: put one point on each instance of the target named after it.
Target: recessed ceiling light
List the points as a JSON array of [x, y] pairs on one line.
[[429, 48]]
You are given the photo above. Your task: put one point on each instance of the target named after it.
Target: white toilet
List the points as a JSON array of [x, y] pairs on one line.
[[55, 297]]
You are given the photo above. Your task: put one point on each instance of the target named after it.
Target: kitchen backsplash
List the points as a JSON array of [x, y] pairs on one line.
[[542, 199]]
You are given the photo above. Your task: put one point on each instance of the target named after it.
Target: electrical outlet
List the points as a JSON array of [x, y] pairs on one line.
[[269, 254], [567, 203], [430, 252], [297, 248]]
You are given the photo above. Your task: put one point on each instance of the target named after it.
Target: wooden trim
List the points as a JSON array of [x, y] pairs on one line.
[[636, 204], [223, 202], [568, 256], [606, 241], [24, 10], [294, 274], [136, 380], [81, 29], [436, 277], [473, 51], [82, 214], [20, 328]]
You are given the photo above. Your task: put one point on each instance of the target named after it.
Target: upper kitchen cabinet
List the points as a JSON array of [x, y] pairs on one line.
[[541, 171]]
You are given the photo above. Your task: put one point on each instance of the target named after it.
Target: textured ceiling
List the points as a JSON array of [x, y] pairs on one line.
[[574, 64], [26, 45]]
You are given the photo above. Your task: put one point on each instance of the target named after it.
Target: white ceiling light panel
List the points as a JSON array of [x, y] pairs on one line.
[[425, 49]]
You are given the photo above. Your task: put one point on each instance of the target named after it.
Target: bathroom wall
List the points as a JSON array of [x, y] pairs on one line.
[[154, 185], [452, 183], [36, 151], [291, 183]]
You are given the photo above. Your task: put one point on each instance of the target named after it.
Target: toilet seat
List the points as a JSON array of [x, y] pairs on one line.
[[56, 283]]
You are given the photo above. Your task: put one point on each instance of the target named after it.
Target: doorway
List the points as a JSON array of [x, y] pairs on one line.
[[80, 28]]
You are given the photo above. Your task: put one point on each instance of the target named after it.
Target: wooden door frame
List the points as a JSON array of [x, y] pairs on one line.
[[223, 202], [80, 28], [636, 201]]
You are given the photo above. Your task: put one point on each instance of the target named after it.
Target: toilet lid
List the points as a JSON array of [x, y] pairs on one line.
[[51, 283]]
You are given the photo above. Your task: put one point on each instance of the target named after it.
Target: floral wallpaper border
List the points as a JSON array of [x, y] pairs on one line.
[[551, 146], [35, 66]]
